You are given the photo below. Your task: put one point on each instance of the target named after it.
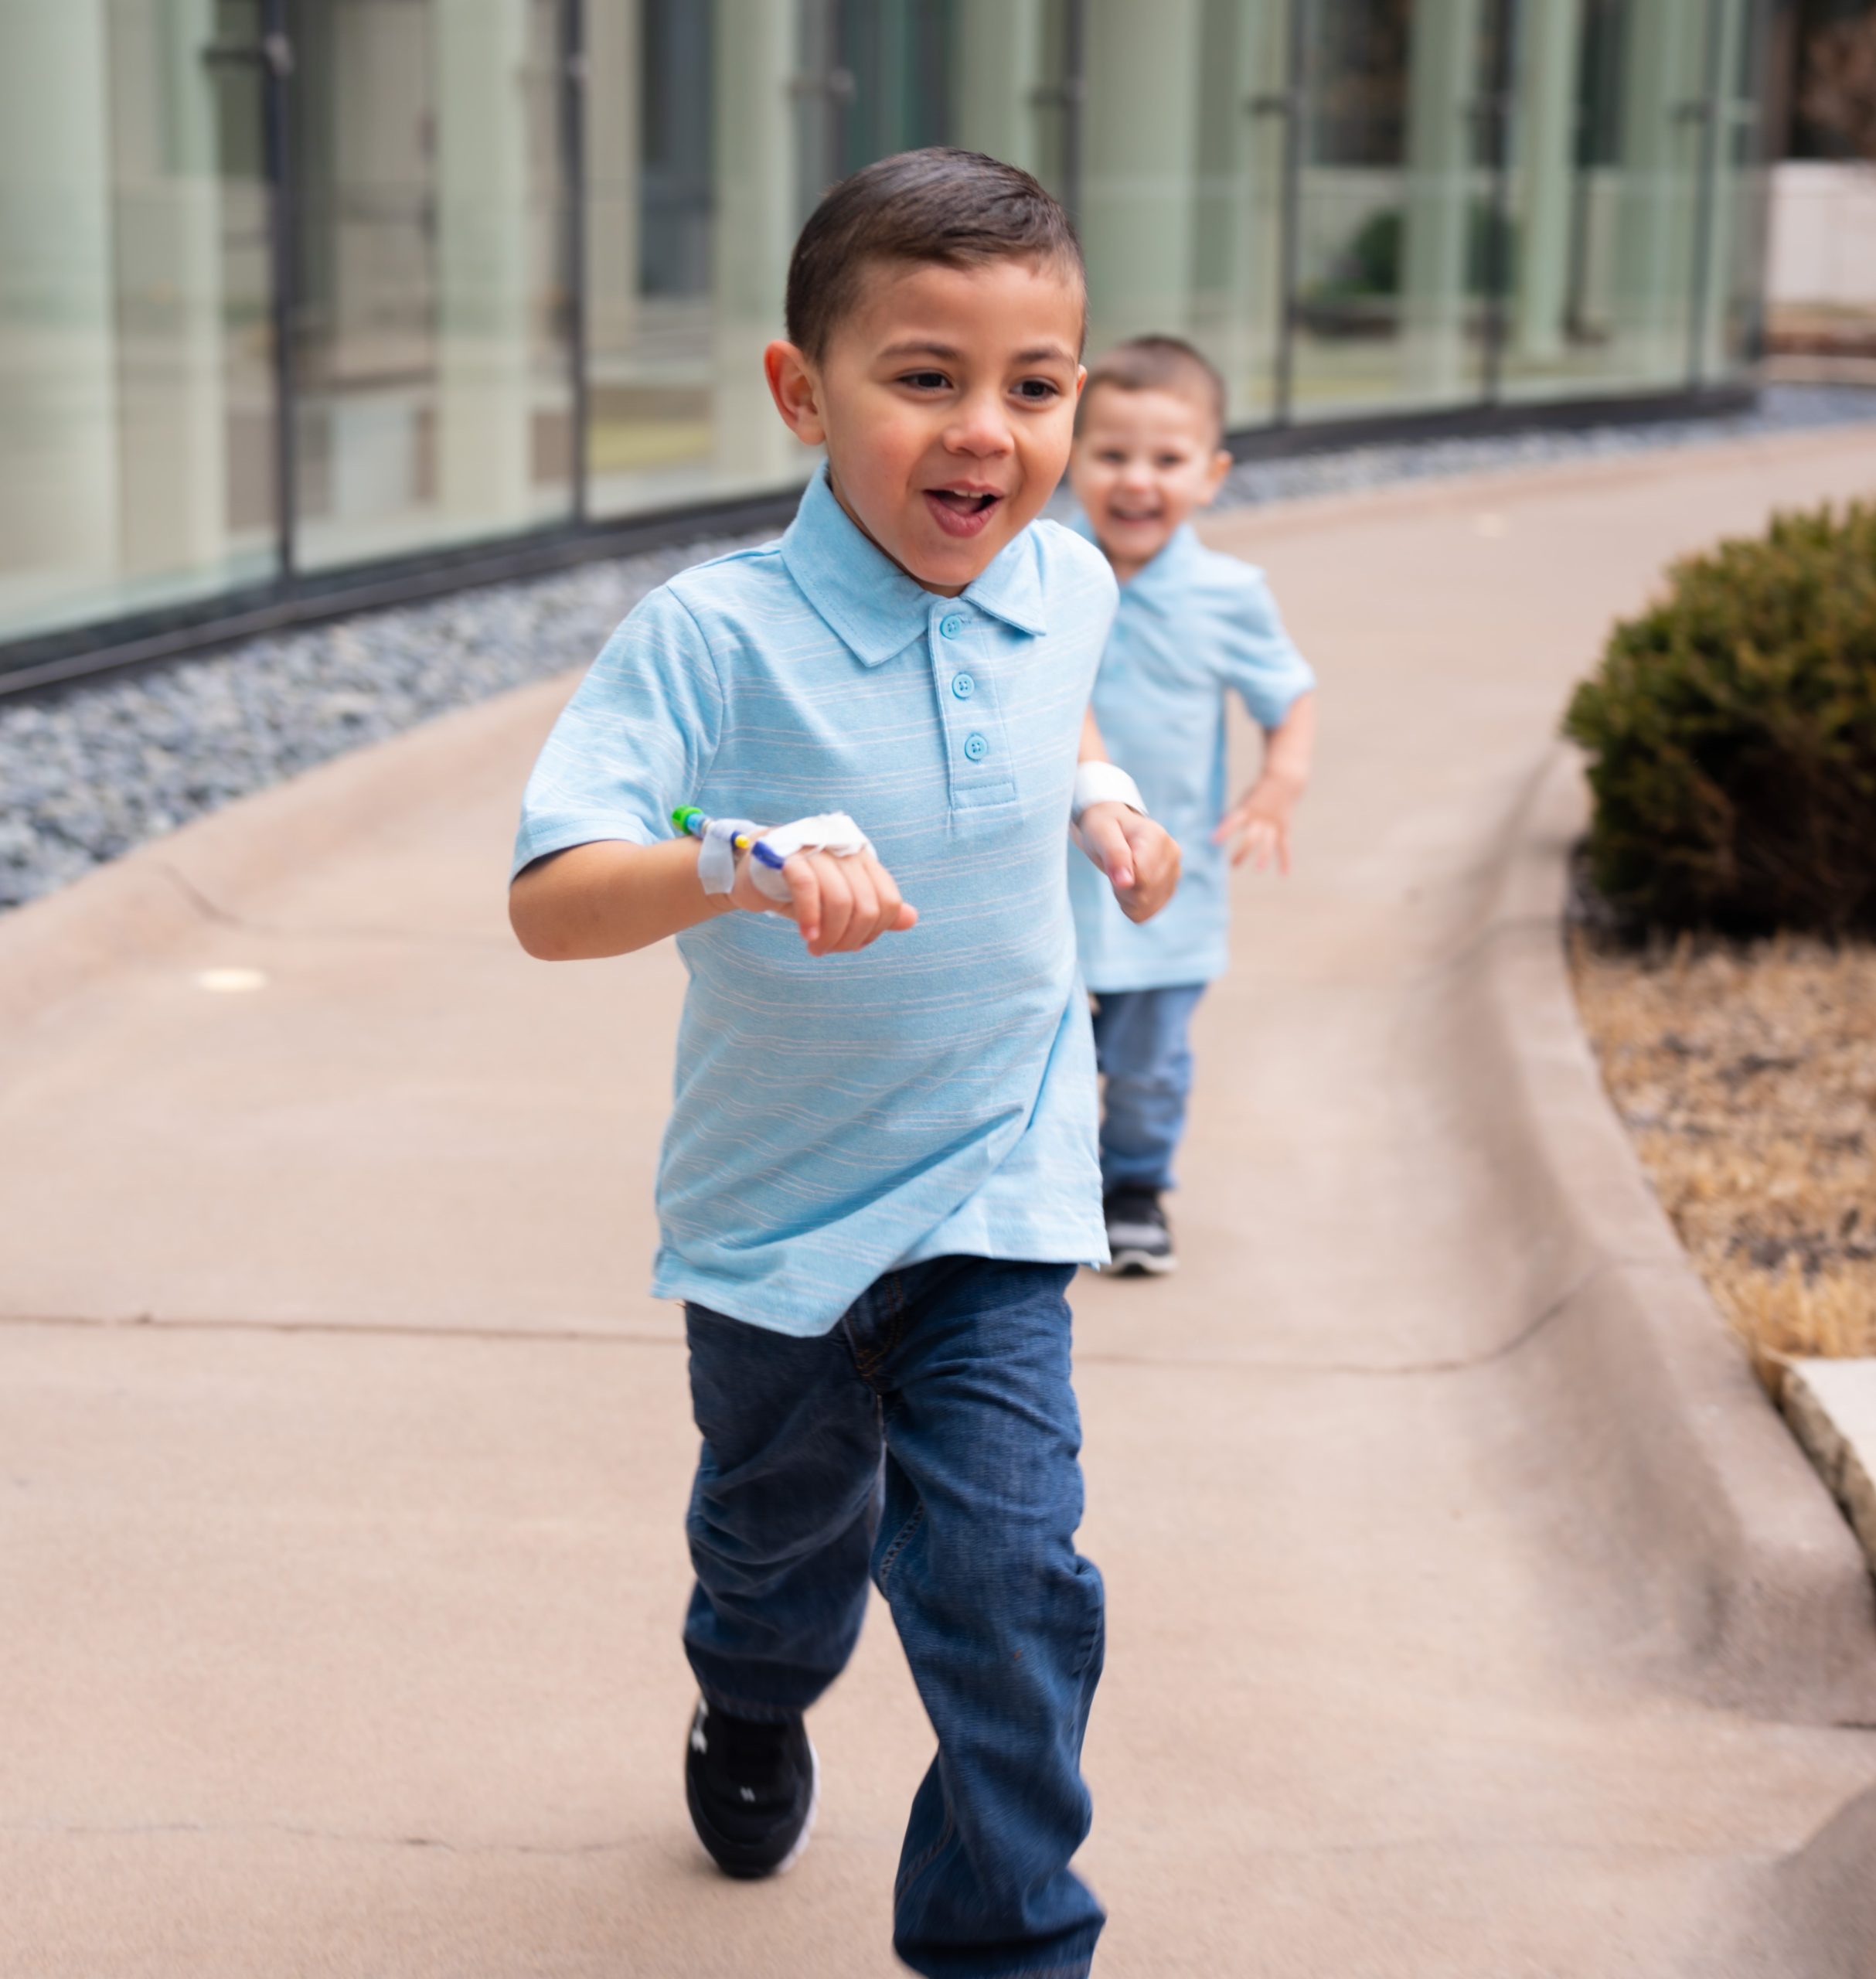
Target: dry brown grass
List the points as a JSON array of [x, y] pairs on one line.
[[1748, 1077]]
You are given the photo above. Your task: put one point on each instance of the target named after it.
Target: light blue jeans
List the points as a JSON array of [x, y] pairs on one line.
[[1140, 1046]]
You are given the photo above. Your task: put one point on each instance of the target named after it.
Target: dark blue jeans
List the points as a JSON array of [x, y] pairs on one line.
[[930, 1439], [1146, 1071]]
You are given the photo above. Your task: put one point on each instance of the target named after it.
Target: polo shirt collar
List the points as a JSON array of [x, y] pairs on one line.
[[870, 604], [1161, 583]]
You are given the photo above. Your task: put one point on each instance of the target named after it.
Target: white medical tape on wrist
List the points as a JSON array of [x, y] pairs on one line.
[[717, 859], [1104, 783], [827, 831]]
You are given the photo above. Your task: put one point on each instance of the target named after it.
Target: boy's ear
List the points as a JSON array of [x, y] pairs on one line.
[[1222, 464], [796, 390]]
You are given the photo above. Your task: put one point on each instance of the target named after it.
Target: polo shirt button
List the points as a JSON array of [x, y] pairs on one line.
[[976, 747], [951, 624], [963, 686]]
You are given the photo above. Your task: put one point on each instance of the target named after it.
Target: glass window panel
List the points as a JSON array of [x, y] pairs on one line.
[[1399, 231], [900, 54], [1608, 149], [1240, 135], [1139, 195], [1035, 85], [713, 126], [433, 390], [1180, 193], [696, 110], [1574, 185], [136, 370], [1005, 69]]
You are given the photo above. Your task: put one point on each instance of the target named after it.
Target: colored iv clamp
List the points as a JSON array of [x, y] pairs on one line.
[[691, 821]]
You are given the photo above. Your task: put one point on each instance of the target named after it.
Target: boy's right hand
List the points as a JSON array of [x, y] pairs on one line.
[[839, 905]]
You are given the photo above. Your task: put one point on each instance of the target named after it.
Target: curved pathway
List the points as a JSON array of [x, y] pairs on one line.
[[345, 1457]]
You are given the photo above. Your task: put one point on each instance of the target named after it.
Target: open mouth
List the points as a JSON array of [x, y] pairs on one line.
[[1134, 515], [962, 512]]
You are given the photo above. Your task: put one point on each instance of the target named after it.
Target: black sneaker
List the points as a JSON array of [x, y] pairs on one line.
[[1137, 1233], [752, 1790]]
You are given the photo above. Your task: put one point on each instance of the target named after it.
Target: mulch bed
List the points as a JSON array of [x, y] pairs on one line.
[[1747, 1075]]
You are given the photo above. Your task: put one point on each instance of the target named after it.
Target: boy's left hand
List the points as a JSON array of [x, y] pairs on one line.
[[1140, 858], [1258, 827]]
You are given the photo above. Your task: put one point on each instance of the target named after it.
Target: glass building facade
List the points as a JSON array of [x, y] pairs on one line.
[[293, 289]]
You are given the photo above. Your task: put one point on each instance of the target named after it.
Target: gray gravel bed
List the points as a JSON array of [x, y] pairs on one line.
[[1781, 409], [90, 771]]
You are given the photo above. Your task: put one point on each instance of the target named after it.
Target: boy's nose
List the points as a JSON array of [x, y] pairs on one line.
[[980, 428]]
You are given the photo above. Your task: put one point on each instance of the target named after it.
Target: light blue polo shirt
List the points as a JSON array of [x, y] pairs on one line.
[[1192, 627], [835, 1116]]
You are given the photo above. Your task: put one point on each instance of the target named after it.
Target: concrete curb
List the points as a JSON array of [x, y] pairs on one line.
[[1739, 1573], [1831, 1407]]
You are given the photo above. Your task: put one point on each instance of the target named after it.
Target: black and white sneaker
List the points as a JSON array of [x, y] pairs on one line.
[[752, 1789], [1137, 1233]]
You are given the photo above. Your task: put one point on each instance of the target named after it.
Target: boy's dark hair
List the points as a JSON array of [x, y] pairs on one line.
[[959, 209], [1158, 364]]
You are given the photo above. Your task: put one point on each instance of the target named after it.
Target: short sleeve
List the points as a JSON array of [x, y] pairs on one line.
[[632, 744], [1260, 663]]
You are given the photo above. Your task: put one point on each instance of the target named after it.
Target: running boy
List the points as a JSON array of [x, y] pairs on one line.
[[1193, 625], [879, 1171]]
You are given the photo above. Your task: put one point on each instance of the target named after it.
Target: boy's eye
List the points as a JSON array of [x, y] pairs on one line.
[[1038, 389], [924, 381], [1170, 460]]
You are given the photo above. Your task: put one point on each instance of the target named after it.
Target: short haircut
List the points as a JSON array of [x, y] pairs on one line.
[[958, 208], [1158, 364]]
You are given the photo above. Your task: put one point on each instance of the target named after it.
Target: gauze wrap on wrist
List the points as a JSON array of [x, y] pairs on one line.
[[827, 831], [1104, 783], [717, 859]]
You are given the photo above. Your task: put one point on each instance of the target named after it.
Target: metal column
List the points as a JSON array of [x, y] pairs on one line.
[[1292, 106], [271, 60], [573, 155], [1495, 114]]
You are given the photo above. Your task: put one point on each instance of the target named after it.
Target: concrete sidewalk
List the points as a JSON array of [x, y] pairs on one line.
[[345, 1456]]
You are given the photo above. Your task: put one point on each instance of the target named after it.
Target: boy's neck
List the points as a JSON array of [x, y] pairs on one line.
[[1126, 569]]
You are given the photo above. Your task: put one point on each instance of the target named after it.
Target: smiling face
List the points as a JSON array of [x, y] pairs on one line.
[[1142, 462], [946, 402]]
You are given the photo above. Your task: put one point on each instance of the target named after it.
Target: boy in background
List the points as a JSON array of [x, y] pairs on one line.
[[879, 1172], [1193, 626]]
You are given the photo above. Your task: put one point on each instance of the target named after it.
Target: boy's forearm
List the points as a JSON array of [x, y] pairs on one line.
[[608, 898], [1290, 747]]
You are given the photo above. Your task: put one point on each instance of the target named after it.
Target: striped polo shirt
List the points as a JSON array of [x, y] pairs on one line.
[[836, 1116], [1194, 626]]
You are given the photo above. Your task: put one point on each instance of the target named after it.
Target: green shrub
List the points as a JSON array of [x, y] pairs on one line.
[[1731, 734]]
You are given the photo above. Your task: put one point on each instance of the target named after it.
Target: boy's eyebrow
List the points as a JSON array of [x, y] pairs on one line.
[[1040, 353]]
